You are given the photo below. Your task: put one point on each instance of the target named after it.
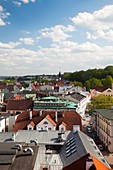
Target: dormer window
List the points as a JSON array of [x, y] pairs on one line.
[[45, 123], [108, 90]]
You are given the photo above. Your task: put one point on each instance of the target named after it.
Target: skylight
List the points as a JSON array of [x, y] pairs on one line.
[[70, 146]]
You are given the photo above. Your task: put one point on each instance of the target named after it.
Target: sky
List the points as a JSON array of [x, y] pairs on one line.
[[48, 36]]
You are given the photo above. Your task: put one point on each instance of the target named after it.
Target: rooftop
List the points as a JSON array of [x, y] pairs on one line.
[[53, 103], [37, 116], [43, 137], [79, 145], [22, 104], [12, 158], [107, 113], [74, 146]]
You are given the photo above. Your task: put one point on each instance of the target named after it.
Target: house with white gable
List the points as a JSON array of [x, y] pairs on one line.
[[62, 126], [46, 124], [108, 92], [31, 126]]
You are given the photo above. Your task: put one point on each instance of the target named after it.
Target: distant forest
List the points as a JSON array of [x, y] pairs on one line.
[[91, 77]]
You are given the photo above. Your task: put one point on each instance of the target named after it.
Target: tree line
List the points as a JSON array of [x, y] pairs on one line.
[[91, 77]]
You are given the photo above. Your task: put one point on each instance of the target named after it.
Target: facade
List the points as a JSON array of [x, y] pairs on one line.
[[2, 124], [104, 126], [97, 90], [108, 92]]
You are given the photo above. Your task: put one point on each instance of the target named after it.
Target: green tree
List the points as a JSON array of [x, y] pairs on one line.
[[102, 102], [92, 82], [107, 82], [77, 83], [87, 84]]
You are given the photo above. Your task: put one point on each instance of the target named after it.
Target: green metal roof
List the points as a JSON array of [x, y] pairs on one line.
[[54, 104], [107, 113]]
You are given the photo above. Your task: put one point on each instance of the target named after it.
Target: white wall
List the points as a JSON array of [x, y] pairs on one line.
[[62, 126], [12, 120], [2, 125], [42, 126], [30, 127]]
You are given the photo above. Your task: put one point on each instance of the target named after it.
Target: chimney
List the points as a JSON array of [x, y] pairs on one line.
[[40, 112], [30, 115], [13, 137], [56, 116]]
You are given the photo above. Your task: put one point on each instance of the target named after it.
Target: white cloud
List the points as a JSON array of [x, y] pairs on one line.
[[27, 1], [107, 35], [1, 8], [56, 33], [17, 3], [67, 55], [2, 23], [9, 45], [28, 41], [98, 20], [3, 15]]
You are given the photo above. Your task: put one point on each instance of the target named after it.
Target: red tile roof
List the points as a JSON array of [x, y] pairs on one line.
[[69, 117], [63, 123], [21, 105], [49, 118], [60, 83], [32, 123], [99, 88], [2, 87]]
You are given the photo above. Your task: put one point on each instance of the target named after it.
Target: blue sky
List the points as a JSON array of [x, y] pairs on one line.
[[45, 36]]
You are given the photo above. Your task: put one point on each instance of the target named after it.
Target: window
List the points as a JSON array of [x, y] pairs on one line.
[[46, 128], [62, 129], [49, 128], [108, 90], [45, 123]]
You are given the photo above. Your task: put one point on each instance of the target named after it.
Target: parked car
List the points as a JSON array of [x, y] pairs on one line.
[[101, 147], [91, 123], [89, 129]]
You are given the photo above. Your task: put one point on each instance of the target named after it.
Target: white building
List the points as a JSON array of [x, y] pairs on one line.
[[46, 124]]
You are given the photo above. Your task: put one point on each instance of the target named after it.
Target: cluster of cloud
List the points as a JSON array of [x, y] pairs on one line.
[[64, 53], [3, 16], [56, 33], [27, 41], [98, 20], [19, 3], [99, 23]]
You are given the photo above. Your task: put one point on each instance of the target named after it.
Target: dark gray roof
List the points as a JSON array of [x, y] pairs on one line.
[[107, 113], [84, 145], [79, 152], [92, 148], [12, 158]]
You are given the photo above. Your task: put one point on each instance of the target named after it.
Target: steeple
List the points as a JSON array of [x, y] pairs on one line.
[[59, 75]]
